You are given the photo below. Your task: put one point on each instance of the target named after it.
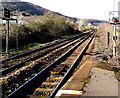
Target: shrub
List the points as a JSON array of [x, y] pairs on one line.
[[45, 29]]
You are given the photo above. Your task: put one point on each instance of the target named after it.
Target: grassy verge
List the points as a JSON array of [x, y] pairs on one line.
[[32, 46], [25, 48], [22, 49]]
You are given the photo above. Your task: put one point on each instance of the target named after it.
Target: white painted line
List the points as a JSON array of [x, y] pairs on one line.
[[71, 92]]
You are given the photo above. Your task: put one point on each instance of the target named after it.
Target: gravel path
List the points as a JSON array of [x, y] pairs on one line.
[[101, 83]]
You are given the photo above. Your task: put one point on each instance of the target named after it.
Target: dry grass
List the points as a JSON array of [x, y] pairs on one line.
[[104, 65]]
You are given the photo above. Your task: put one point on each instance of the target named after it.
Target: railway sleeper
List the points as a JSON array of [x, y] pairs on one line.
[[42, 92], [58, 69], [54, 79], [77, 52], [74, 55], [72, 58], [69, 61], [49, 84]]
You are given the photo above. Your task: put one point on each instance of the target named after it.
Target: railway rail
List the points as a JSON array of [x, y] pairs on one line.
[[61, 68], [13, 80], [20, 60]]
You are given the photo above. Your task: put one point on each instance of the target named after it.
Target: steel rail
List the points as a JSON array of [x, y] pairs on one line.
[[22, 89], [9, 69], [68, 74], [32, 51]]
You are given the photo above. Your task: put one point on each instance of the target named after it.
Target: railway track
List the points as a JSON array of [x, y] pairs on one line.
[[55, 74], [20, 60], [13, 80]]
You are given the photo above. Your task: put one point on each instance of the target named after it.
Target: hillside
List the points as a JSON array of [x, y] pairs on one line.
[[95, 22], [25, 7], [35, 10], [29, 8]]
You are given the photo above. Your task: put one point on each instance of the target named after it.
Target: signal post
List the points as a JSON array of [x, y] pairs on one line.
[[7, 18], [115, 21]]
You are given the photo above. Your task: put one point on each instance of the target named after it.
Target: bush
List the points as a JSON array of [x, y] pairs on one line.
[[45, 29]]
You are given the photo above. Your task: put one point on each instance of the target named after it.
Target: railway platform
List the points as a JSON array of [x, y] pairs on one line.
[[75, 84], [90, 81]]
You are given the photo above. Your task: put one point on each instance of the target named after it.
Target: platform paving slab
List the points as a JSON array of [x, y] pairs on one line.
[[102, 83]]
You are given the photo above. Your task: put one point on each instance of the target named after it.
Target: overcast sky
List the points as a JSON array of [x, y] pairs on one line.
[[94, 9]]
